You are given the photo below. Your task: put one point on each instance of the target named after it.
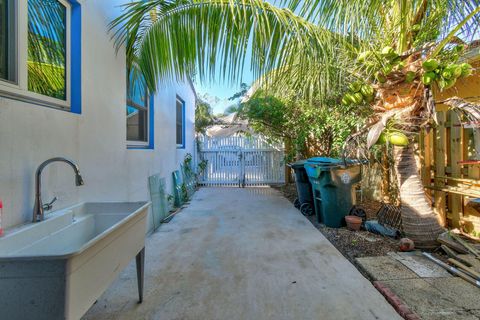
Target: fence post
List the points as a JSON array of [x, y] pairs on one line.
[[288, 173], [456, 155], [439, 160]]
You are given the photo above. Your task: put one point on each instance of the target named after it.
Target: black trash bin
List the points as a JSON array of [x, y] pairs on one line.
[[333, 188], [304, 202]]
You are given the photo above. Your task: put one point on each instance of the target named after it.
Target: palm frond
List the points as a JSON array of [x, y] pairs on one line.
[[312, 53], [214, 35], [399, 23], [465, 109]]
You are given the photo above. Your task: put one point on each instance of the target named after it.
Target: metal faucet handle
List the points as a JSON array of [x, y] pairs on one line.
[[49, 206]]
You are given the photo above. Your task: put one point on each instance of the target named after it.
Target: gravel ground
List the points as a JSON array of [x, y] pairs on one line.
[[350, 244]]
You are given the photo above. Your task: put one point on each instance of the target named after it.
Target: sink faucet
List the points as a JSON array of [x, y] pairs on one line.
[[39, 207]]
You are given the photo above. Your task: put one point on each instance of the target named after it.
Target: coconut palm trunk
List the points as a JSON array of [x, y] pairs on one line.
[[420, 223]]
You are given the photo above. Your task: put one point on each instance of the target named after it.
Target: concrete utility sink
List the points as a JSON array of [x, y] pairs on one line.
[[57, 268]]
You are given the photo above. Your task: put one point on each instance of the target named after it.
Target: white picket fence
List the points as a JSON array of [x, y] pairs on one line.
[[240, 161]]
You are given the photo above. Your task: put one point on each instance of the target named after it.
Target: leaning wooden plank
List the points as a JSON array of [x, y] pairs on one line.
[[469, 236], [453, 255], [445, 239], [471, 249], [453, 270], [474, 274]]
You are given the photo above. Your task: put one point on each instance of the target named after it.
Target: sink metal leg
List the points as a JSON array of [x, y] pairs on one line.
[[140, 259]]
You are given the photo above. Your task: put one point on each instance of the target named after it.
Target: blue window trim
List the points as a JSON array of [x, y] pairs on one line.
[[151, 127], [76, 57], [182, 146]]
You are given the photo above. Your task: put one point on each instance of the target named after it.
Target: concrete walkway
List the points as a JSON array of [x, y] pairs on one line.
[[242, 254]]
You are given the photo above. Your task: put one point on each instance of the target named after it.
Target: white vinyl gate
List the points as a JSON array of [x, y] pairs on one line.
[[240, 161]]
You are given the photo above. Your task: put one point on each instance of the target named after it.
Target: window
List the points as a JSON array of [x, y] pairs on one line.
[[180, 124], [47, 45], [7, 40], [40, 52], [139, 112]]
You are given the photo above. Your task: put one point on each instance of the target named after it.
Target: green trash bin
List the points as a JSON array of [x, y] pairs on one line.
[[304, 202], [333, 186]]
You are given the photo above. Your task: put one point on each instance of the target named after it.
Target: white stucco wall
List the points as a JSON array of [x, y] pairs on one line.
[[95, 139]]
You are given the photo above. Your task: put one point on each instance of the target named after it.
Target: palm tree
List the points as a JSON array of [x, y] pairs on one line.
[[385, 55]]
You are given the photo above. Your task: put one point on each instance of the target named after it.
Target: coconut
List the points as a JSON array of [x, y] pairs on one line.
[[355, 86], [349, 97], [447, 74], [346, 101], [398, 139], [466, 69], [430, 65], [428, 78], [367, 90], [387, 51], [358, 97], [382, 139], [363, 56], [456, 70], [450, 83], [442, 83], [380, 77]]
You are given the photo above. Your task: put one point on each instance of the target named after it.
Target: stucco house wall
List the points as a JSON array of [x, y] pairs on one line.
[[94, 139]]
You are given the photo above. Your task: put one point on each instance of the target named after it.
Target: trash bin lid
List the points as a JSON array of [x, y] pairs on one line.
[[297, 164], [324, 161], [332, 162]]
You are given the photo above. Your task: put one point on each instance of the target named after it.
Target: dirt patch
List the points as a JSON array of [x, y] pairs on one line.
[[351, 244]]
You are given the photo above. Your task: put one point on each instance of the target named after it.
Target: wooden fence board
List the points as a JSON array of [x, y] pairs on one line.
[[456, 155], [440, 163]]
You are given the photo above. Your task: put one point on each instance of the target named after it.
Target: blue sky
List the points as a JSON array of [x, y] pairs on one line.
[[222, 90], [217, 92]]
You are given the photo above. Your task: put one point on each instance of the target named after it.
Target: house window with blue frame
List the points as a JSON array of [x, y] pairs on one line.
[[48, 34], [7, 41], [47, 46], [139, 112], [180, 122]]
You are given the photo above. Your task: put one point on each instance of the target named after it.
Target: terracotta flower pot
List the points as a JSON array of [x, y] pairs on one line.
[[353, 223]]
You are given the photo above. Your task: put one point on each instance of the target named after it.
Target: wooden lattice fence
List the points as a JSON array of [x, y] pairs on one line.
[[450, 158]]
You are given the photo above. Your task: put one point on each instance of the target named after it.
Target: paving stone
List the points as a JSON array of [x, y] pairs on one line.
[[422, 297], [449, 315], [385, 268], [458, 290], [422, 266]]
